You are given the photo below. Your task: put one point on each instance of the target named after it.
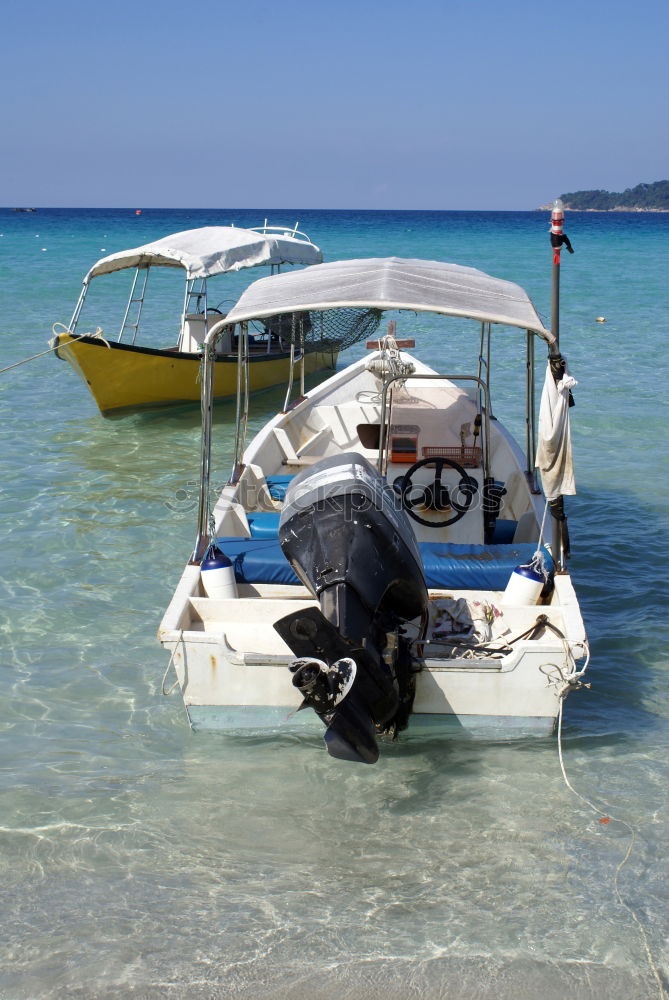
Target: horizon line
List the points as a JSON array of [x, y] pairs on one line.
[[250, 208]]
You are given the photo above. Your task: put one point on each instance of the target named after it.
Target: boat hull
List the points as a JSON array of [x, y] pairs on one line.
[[251, 719], [238, 678], [518, 696], [233, 667], [122, 377]]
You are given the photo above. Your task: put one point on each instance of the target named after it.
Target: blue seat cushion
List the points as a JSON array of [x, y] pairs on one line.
[[257, 560], [264, 524], [277, 486], [448, 566]]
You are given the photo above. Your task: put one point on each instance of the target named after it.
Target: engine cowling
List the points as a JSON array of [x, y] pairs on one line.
[[350, 542]]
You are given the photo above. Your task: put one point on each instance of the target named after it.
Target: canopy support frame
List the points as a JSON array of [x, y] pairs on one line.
[[242, 408], [530, 415], [293, 361], [78, 308], [207, 407], [382, 463], [140, 303]]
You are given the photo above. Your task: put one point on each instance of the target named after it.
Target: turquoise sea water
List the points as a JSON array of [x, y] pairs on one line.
[[141, 860]]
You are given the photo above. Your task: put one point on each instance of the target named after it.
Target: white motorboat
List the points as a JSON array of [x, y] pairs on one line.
[[382, 553]]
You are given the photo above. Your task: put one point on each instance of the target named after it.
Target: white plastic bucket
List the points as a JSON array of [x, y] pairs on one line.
[[524, 586]]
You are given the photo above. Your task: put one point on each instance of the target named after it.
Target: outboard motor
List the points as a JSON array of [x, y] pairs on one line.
[[349, 541]]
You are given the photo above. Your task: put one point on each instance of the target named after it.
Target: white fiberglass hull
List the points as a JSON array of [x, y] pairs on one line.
[[232, 666], [232, 687]]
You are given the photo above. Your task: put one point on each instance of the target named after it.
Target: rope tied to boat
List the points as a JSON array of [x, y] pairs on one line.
[[391, 351], [570, 680], [176, 683], [389, 363], [54, 346], [566, 677], [78, 336], [538, 561]]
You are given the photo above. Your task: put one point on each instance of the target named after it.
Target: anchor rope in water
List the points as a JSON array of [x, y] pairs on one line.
[[662, 992], [49, 350]]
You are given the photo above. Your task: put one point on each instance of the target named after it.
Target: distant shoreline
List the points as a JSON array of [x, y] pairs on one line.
[[618, 208], [644, 197]]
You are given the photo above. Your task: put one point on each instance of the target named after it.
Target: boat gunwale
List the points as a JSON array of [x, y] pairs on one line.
[[68, 340]]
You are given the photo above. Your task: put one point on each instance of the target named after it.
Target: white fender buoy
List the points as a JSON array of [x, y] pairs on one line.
[[218, 574], [524, 586]]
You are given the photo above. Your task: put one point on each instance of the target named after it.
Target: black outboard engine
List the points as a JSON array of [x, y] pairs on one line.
[[348, 539]]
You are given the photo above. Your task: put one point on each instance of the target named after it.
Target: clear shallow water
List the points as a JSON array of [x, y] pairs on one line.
[[141, 860]]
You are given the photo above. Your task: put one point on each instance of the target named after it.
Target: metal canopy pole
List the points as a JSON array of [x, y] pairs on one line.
[[242, 400], [530, 415], [302, 357], [190, 283], [560, 532], [291, 373], [77, 309], [206, 406], [138, 300], [129, 303]]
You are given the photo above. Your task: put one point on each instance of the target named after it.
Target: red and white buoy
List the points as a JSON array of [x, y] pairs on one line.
[[558, 240], [557, 221]]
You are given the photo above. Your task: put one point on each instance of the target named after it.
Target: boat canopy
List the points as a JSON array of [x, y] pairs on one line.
[[212, 250], [376, 285]]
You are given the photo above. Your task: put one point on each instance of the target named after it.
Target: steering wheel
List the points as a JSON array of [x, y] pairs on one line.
[[436, 496]]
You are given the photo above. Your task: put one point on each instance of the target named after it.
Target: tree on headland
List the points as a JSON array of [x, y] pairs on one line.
[[651, 197]]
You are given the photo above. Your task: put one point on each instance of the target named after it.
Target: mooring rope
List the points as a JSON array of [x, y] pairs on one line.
[[162, 686], [605, 819], [49, 350]]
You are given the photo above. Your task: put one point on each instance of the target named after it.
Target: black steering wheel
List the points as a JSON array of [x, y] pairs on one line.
[[435, 496]]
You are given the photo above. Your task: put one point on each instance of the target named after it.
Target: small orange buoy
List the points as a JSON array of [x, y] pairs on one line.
[[604, 820], [138, 211]]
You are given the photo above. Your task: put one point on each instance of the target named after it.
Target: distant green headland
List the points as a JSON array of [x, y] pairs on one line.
[[642, 198]]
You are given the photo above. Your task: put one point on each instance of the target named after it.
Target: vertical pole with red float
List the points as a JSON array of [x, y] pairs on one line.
[[560, 532], [558, 239]]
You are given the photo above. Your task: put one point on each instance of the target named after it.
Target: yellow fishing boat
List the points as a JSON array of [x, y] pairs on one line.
[[124, 375]]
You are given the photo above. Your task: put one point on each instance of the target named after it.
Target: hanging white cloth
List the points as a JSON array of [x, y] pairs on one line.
[[554, 458]]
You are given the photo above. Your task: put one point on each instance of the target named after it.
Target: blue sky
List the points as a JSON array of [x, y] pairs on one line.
[[423, 104]]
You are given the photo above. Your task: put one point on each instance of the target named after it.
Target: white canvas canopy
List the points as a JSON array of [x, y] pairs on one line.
[[392, 283], [212, 250]]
